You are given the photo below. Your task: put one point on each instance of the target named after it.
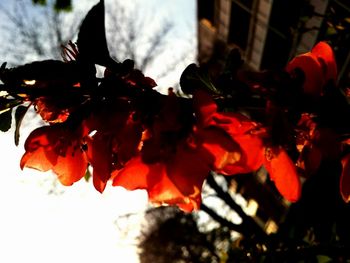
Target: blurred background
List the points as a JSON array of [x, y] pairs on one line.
[[241, 217]]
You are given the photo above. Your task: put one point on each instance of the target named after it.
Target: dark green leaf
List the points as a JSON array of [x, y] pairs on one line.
[[63, 5], [19, 115], [6, 104], [87, 175], [5, 120], [39, 2], [193, 77]]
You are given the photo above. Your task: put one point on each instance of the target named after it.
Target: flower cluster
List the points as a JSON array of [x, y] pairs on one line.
[[168, 152], [128, 133]]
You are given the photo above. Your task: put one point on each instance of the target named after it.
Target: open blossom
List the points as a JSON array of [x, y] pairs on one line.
[[173, 168], [318, 67], [173, 171], [57, 148], [51, 110], [254, 153], [170, 153], [175, 182], [102, 141], [111, 148]]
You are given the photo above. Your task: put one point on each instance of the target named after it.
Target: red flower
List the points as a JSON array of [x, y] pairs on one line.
[[173, 168], [283, 172], [57, 148], [110, 149], [312, 69], [253, 151], [51, 110], [238, 128], [325, 55], [103, 140], [318, 66], [315, 144], [175, 182]]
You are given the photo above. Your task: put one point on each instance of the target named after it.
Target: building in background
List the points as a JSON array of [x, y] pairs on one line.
[[269, 33]]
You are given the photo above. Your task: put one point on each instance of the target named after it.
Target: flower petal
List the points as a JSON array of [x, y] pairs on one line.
[[100, 158], [252, 155], [153, 177], [310, 65], [71, 167], [39, 153], [133, 176], [41, 159], [325, 54], [204, 107], [220, 148], [283, 172], [187, 171]]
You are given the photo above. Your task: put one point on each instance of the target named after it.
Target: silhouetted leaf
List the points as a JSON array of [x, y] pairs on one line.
[[39, 2], [19, 115], [63, 5], [193, 77], [5, 120], [6, 104], [92, 42]]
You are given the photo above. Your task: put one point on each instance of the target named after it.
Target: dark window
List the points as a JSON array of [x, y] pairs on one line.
[[284, 18], [206, 9], [336, 30], [240, 21]]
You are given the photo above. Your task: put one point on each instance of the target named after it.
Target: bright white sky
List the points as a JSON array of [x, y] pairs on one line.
[[78, 224]]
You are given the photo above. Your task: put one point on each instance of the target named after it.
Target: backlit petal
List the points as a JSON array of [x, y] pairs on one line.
[[283, 172], [252, 155], [41, 159], [221, 149], [71, 167], [188, 171], [100, 158], [39, 153], [133, 176]]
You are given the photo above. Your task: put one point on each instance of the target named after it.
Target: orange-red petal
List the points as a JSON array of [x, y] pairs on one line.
[[39, 153], [283, 172], [41, 159], [252, 155], [325, 54], [218, 149], [175, 182], [100, 158], [153, 177], [314, 77], [71, 167], [187, 171], [55, 148]]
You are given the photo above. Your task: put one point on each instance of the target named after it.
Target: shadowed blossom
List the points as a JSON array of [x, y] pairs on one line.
[[250, 139], [318, 67]]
